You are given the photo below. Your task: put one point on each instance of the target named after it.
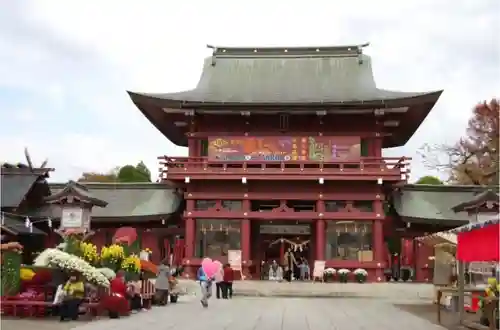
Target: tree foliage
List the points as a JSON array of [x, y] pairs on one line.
[[473, 160], [127, 173], [429, 179], [138, 173]]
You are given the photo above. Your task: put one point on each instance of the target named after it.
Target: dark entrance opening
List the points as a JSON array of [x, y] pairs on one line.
[[276, 238]]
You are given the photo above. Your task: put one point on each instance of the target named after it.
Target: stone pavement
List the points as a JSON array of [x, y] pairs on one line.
[[271, 314], [393, 292]]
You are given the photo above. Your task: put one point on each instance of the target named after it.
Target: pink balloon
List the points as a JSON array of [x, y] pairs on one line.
[[210, 267]]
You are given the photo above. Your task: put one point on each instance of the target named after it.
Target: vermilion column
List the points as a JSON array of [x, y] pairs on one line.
[[190, 237], [378, 241], [320, 239], [245, 240]]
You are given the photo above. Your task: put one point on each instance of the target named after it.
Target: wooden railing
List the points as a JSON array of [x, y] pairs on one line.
[[365, 165]]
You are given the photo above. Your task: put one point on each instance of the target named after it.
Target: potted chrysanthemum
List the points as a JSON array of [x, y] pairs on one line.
[[406, 273], [343, 275], [360, 275], [329, 274]]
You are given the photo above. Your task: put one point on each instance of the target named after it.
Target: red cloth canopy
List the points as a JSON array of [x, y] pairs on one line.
[[480, 244]]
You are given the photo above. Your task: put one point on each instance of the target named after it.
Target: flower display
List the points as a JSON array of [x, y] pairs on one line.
[[360, 274], [131, 264], [149, 268], [69, 262], [109, 273], [330, 271], [343, 274], [27, 274], [88, 251], [112, 256]]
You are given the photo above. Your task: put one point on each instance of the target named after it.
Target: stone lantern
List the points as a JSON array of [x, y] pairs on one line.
[[76, 204]]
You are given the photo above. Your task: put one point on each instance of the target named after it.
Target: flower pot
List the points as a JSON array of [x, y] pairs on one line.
[[360, 278], [343, 278], [405, 274]]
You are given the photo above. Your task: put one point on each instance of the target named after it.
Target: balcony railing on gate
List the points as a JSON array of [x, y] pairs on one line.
[[366, 165]]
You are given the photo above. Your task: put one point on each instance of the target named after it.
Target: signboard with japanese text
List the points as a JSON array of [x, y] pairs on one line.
[[284, 148], [234, 259]]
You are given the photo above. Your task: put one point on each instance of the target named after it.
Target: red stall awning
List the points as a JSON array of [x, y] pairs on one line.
[[479, 241]]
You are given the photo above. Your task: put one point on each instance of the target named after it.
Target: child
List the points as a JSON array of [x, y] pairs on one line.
[[227, 288], [205, 286]]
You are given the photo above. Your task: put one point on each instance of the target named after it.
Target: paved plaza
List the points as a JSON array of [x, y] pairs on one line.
[[262, 314]]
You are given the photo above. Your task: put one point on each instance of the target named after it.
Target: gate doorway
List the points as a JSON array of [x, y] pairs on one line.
[[277, 239]]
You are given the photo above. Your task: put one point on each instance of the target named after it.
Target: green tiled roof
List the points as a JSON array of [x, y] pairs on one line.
[[296, 75], [125, 200], [433, 203]]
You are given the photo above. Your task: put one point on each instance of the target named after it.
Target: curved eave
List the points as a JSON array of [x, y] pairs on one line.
[[192, 100], [153, 111], [151, 105], [412, 119]]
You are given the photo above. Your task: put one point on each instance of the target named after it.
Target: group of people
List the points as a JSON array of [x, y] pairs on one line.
[[74, 290], [223, 280], [291, 269]]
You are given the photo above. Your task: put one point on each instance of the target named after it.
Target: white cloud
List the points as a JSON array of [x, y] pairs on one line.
[[81, 56]]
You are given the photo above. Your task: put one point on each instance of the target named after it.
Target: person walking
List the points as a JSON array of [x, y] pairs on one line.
[[219, 284], [162, 283], [205, 286], [228, 278]]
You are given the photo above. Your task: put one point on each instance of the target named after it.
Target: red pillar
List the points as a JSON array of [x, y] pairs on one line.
[[320, 239], [245, 240], [378, 240], [190, 237], [192, 147]]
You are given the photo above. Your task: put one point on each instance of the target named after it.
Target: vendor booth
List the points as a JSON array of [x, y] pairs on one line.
[[479, 242]]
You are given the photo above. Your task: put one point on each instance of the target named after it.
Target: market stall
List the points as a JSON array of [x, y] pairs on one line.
[[479, 242]]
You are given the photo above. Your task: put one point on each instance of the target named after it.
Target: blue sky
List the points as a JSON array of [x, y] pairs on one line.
[[65, 65]]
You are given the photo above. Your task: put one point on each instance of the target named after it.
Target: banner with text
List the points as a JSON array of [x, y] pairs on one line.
[[234, 259], [284, 148], [319, 268]]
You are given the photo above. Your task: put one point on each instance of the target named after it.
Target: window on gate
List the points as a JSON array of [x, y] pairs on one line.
[[214, 237], [349, 240], [284, 122], [363, 206], [232, 205], [205, 204], [334, 206]]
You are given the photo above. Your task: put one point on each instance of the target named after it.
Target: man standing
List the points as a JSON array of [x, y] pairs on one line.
[[228, 277], [219, 284]]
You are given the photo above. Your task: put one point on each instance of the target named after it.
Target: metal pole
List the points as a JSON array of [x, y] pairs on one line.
[[461, 288]]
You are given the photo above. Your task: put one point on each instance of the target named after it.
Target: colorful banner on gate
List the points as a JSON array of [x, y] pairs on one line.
[[284, 148]]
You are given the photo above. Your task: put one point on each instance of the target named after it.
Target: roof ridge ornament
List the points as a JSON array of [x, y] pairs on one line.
[[214, 52]]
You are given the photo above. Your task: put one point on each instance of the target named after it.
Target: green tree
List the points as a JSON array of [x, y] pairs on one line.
[[429, 179], [138, 173], [110, 176]]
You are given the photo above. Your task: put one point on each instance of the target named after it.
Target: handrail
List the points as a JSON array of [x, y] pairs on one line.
[[392, 164]]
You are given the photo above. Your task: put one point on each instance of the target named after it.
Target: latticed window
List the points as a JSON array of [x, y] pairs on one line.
[[215, 237], [232, 205], [204, 204], [349, 240]]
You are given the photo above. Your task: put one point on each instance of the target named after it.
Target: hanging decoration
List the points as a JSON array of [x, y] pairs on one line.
[[295, 246]]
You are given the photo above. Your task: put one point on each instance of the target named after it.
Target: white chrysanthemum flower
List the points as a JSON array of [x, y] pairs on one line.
[[361, 271]]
